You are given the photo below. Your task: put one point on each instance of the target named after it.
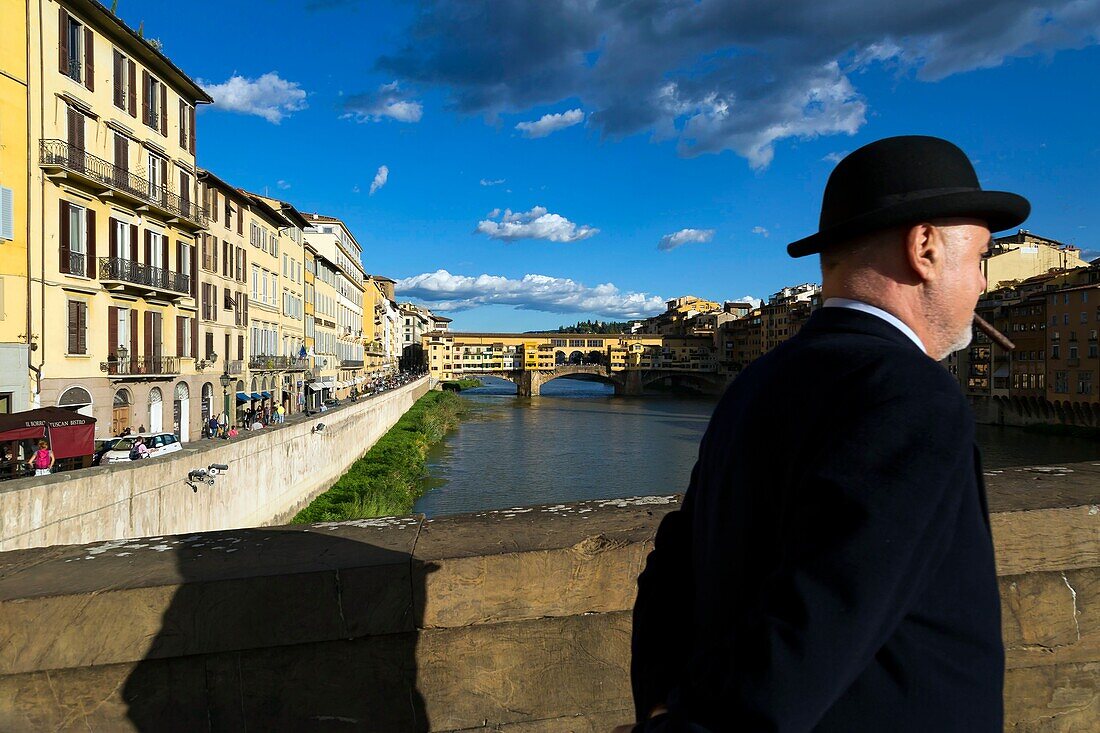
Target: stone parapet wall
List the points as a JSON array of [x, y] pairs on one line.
[[272, 474], [515, 620]]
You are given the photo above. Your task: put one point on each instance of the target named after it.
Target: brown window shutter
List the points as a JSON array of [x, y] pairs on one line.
[[118, 70], [214, 302], [148, 334], [112, 330], [131, 88], [74, 328], [148, 247], [158, 334], [180, 325], [240, 220], [63, 245], [89, 249], [134, 321], [244, 265], [89, 59], [240, 346], [194, 324], [164, 252], [112, 236], [179, 257], [228, 211], [191, 130], [210, 345], [163, 110], [214, 254], [145, 103], [164, 172], [214, 204], [133, 243], [183, 124], [194, 273], [83, 310], [63, 42]]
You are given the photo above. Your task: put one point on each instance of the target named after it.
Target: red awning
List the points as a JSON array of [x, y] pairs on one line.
[[70, 434]]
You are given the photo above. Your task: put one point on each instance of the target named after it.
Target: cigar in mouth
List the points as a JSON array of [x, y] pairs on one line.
[[996, 336]]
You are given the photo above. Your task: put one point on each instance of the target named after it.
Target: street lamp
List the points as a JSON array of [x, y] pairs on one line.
[[225, 379]]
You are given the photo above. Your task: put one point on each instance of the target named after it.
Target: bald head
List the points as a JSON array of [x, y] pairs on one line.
[[928, 275]]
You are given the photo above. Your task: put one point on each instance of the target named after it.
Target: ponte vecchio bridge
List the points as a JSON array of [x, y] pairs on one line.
[[629, 362]]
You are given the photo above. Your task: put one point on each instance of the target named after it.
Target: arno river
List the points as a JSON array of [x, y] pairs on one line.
[[578, 441]]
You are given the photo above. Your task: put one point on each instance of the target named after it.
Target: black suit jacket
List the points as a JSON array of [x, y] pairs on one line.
[[831, 568]]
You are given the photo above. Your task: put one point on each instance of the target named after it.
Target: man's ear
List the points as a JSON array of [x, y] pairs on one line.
[[925, 251]]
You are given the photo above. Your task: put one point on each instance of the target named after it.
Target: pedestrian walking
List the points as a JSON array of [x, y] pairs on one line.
[[841, 577]]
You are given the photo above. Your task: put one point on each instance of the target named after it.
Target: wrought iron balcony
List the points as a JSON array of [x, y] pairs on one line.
[[147, 276], [77, 262], [142, 366], [59, 154], [234, 367], [272, 363], [351, 363], [74, 70]]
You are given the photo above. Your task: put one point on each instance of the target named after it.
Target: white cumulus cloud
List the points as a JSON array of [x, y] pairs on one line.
[[537, 223], [380, 179], [684, 236], [267, 96], [447, 292], [761, 231], [387, 102], [491, 181], [754, 302], [550, 123]]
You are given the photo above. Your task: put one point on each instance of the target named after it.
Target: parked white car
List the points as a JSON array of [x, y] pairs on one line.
[[159, 444]]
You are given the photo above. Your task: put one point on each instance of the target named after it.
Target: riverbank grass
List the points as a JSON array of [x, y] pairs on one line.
[[386, 480], [457, 385]]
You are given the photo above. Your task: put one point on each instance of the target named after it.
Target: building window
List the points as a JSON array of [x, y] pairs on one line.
[[1061, 382], [1084, 382], [7, 213], [78, 327]]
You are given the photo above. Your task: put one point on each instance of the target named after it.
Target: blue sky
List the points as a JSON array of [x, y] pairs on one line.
[[688, 120]]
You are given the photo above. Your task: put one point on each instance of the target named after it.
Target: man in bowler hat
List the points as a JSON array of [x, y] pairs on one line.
[[831, 568]]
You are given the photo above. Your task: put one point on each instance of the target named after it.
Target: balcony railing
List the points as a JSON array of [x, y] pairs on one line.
[[261, 362], [117, 268], [142, 366], [153, 114], [234, 367], [74, 70], [351, 363], [77, 263], [61, 154]]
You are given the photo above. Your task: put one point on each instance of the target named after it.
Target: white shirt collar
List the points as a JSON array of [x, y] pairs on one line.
[[859, 305]]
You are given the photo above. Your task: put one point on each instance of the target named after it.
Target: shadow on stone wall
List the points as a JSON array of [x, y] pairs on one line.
[[246, 641]]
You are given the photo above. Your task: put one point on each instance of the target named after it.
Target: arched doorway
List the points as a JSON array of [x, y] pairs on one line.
[[208, 407], [120, 413], [559, 358], [576, 358], [156, 410], [76, 399], [181, 412]]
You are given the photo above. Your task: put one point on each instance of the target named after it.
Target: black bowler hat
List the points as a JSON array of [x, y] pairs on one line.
[[905, 180]]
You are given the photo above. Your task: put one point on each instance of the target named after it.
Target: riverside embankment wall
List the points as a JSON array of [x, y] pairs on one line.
[[515, 621], [272, 474]]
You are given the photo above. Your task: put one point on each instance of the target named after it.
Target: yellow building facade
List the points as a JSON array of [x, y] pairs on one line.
[[451, 354], [15, 337], [113, 257], [1014, 258], [223, 295]]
